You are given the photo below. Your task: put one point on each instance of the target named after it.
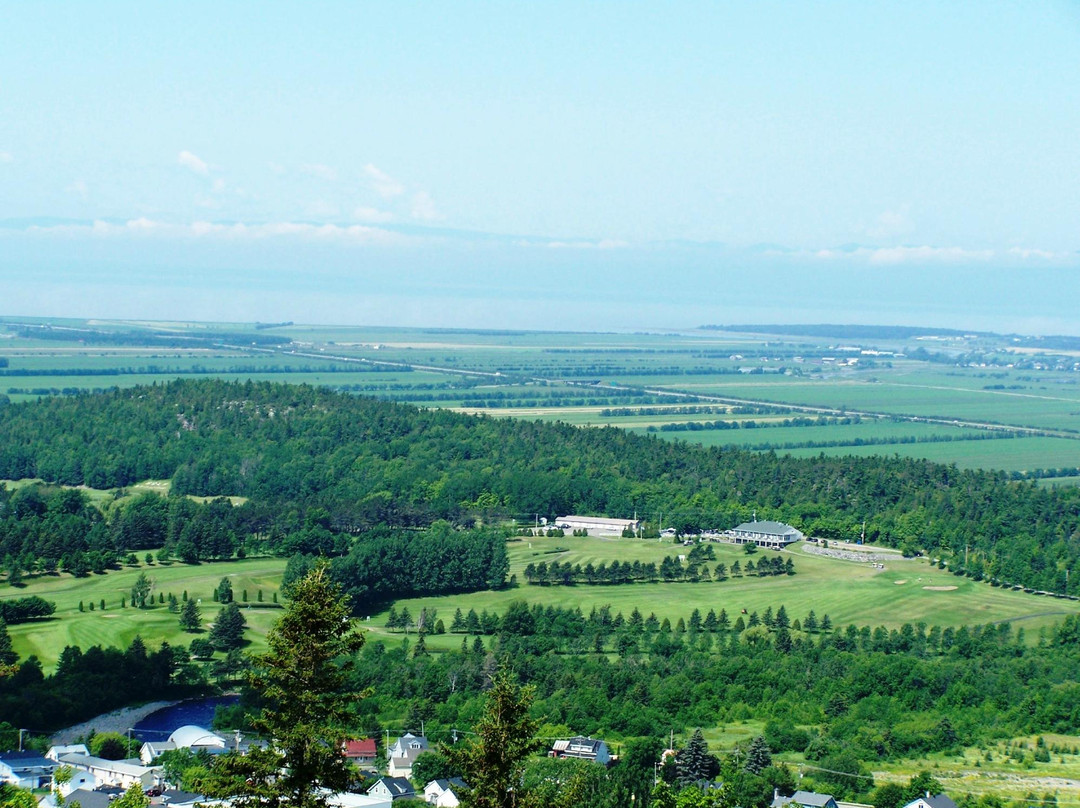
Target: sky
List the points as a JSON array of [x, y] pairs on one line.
[[549, 165]]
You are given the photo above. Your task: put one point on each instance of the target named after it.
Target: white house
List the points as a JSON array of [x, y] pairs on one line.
[[403, 753], [113, 772], [444, 793], [26, 769], [151, 750], [928, 801], [55, 752]]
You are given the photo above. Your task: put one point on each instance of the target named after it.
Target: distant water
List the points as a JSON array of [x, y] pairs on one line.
[[159, 725]]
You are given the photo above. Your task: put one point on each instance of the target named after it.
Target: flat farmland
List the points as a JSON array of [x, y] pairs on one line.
[[1015, 454]]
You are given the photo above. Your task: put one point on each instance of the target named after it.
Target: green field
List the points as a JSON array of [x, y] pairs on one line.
[[848, 592], [117, 627], [574, 376]]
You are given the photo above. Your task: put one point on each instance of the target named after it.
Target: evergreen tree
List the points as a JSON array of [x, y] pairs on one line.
[[493, 761], [694, 762], [140, 591], [7, 653], [758, 756], [458, 623], [302, 681], [228, 630], [190, 616], [224, 591]]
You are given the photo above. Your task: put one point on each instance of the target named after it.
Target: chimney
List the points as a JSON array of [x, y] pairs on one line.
[[927, 795]]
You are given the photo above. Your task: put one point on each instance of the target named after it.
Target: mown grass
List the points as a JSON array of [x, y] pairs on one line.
[[116, 626], [848, 592]]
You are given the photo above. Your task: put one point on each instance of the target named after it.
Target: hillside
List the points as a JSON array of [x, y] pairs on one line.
[[366, 462]]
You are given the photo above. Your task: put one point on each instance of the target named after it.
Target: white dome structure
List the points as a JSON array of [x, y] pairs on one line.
[[190, 736]]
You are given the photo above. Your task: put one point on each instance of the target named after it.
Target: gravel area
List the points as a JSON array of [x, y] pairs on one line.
[[116, 721]]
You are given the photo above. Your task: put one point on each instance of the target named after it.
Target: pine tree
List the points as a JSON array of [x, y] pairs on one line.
[[7, 653], [458, 623]]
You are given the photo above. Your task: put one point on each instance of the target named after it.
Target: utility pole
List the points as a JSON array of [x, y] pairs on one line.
[[21, 731]]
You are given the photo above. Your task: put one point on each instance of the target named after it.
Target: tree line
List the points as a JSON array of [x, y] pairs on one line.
[[365, 463]]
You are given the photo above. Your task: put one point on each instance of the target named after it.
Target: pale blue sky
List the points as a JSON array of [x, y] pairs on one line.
[[471, 163]]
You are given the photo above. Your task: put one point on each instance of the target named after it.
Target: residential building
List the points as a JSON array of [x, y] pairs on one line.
[[928, 801], [444, 793], [26, 769], [403, 753], [805, 799], [582, 748], [396, 788], [114, 772], [362, 752], [55, 752]]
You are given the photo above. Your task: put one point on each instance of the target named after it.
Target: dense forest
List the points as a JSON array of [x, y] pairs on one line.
[[360, 463]]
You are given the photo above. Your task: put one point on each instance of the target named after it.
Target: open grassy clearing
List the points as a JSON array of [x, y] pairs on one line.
[[868, 430], [971, 772], [849, 592], [117, 627]]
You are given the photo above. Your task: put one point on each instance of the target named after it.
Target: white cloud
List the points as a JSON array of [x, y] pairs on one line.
[[892, 223], [189, 160], [366, 214], [1046, 255], [350, 234], [6, 157], [423, 207], [385, 185], [905, 255], [219, 186], [321, 171]]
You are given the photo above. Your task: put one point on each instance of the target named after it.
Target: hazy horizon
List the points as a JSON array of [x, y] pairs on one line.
[[570, 166]]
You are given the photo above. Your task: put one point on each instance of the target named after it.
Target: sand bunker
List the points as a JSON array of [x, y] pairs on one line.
[[940, 588], [899, 582]]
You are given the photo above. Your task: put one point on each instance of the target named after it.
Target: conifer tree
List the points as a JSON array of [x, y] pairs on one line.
[[694, 762], [758, 756], [190, 616], [302, 681]]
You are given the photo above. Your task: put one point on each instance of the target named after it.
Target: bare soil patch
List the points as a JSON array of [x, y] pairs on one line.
[[940, 588]]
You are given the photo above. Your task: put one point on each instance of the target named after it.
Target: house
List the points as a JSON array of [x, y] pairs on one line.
[[935, 801], [403, 753], [55, 752], [805, 799], [347, 799], [151, 750], [771, 535], [362, 753], [86, 797], [444, 793], [113, 772], [582, 748], [26, 769], [396, 788], [597, 525]]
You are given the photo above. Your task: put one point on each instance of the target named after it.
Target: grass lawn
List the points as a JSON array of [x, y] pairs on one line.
[[848, 592], [117, 627]]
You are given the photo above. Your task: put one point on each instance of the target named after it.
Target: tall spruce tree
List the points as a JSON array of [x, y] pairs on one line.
[[758, 756], [302, 681], [694, 762], [190, 616], [492, 763]]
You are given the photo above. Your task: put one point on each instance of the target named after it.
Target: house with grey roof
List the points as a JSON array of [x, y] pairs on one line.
[[804, 799], [770, 535], [581, 748], [114, 772], [935, 801], [403, 753], [26, 769], [395, 788], [444, 793]]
